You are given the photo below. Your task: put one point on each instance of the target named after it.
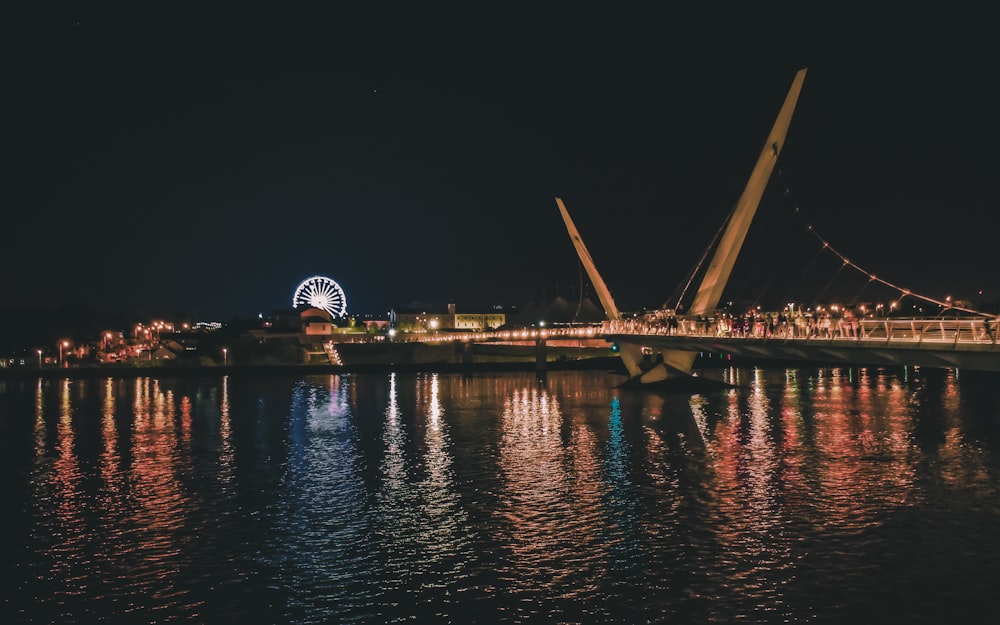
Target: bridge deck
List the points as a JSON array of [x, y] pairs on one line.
[[965, 343], [961, 343]]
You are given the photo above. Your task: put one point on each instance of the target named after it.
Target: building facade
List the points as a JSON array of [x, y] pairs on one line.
[[412, 320]]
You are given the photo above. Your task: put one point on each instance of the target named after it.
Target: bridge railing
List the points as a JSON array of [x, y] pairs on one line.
[[514, 335], [911, 330], [928, 330], [914, 330]]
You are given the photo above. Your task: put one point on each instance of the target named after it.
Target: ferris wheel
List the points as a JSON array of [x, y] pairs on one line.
[[321, 292]]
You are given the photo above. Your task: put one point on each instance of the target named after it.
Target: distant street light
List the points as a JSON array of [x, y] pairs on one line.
[[225, 357], [62, 344], [39, 358]]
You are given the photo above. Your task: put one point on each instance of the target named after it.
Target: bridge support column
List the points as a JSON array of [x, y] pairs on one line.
[[541, 355]]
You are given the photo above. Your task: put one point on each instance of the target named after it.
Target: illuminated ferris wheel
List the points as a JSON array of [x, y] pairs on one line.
[[321, 292]]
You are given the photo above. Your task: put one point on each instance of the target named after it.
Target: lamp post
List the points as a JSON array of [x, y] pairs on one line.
[[62, 344], [225, 357], [39, 358]]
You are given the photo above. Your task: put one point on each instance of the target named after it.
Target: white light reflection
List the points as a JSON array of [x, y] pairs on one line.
[[761, 461], [322, 514], [443, 521], [697, 403], [393, 462], [398, 505], [227, 451], [110, 457], [553, 497], [39, 438], [963, 465], [748, 516], [66, 475]]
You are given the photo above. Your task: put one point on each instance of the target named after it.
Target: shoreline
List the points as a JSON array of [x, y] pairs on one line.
[[611, 364]]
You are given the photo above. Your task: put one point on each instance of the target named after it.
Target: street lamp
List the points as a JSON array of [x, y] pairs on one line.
[[225, 357], [62, 344], [39, 358]]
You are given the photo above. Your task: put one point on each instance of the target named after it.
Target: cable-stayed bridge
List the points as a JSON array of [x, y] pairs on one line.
[[957, 340], [663, 344], [965, 343], [657, 345]]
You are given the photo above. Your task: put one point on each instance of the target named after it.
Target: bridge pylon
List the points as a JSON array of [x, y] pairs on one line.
[[678, 363]]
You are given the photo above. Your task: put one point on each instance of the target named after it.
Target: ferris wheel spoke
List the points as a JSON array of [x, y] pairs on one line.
[[321, 292]]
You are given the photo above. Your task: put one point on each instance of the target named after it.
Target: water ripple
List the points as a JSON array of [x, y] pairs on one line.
[[829, 495]]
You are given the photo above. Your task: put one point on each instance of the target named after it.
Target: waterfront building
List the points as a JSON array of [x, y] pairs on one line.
[[429, 320]]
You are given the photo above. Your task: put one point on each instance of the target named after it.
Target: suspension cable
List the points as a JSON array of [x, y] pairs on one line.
[[903, 291], [874, 278], [701, 261]]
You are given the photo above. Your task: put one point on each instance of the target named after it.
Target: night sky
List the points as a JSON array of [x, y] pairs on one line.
[[205, 163]]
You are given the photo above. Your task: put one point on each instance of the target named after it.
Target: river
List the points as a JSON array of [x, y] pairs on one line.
[[804, 495]]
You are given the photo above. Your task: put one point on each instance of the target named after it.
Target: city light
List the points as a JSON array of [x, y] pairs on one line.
[[225, 357]]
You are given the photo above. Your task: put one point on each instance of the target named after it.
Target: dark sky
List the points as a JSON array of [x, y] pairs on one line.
[[168, 161]]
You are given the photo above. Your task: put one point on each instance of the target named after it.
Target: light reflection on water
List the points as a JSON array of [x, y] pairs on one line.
[[802, 496]]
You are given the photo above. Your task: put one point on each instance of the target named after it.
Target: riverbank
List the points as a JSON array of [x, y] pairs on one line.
[[612, 364]]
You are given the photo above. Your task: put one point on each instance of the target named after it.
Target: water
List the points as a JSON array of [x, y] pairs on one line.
[[803, 496]]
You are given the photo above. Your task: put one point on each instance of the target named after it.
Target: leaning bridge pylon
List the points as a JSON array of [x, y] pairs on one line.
[[678, 363]]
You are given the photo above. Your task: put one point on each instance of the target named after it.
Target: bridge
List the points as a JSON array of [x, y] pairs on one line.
[[663, 344], [965, 343], [928, 342]]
